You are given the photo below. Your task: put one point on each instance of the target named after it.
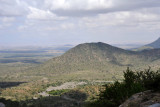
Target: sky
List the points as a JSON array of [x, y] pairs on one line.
[[58, 22]]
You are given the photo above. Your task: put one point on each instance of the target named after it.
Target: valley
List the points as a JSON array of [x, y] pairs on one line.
[[79, 53], [82, 70]]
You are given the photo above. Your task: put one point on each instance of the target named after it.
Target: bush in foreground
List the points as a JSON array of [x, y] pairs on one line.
[[134, 82]]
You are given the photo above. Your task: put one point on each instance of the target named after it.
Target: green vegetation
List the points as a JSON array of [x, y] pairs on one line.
[[14, 61], [134, 82], [58, 92], [143, 48], [94, 63], [100, 61], [110, 95], [97, 57], [27, 57], [92, 91], [51, 101]]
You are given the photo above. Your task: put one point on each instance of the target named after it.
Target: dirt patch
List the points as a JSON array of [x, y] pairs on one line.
[[67, 85]]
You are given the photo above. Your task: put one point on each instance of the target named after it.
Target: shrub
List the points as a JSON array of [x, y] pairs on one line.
[[58, 92], [134, 82], [149, 79]]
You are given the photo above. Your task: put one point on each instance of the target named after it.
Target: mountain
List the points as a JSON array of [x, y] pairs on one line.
[[99, 57], [153, 45]]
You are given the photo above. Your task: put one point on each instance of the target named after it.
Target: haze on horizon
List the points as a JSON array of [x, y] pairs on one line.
[[58, 22]]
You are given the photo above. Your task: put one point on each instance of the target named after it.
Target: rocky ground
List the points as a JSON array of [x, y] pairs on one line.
[[67, 85], [2, 105], [143, 99]]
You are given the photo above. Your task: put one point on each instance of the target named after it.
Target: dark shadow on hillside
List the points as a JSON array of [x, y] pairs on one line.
[[70, 99], [10, 84]]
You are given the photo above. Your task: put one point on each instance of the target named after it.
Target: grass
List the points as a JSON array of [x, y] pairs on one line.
[[58, 92]]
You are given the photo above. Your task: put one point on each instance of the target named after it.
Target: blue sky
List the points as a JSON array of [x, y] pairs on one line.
[[58, 22]]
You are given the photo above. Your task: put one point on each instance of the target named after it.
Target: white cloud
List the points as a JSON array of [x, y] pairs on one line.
[[80, 16], [51, 28], [95, 7], [57, 4], [127, 18], [97, 4], [5, 25], [42, 14], [63, 26], [7, 19], [78, 4], [6, 22], [67, 26], [11, 8]]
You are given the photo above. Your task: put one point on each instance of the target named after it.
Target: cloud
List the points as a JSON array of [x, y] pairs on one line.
[[64, 26], [67, 26], [11, 8], [6, 22], [77, 7], [63, 17], [126, 19], [39, 14], [7, 19], [93, 7], [5, 25], [71, 8], [78, 4]]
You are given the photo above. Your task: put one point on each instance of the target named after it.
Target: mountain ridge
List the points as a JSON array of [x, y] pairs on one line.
[[99, 57], [155, 44]]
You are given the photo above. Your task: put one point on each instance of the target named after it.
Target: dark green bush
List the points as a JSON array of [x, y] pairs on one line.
[[149, 79], [134, 82]]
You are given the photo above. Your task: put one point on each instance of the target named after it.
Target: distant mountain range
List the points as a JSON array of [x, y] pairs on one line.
[[153, 45], [99, 57]]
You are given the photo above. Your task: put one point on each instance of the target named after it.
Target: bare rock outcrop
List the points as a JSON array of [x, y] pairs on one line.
[[143, 99], [2, 105]]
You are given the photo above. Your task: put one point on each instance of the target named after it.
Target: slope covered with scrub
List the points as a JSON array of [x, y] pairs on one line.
[[98, 57]]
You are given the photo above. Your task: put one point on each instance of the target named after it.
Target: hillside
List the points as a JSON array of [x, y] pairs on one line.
[[92, 63], [153, 45], [98, 57]]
